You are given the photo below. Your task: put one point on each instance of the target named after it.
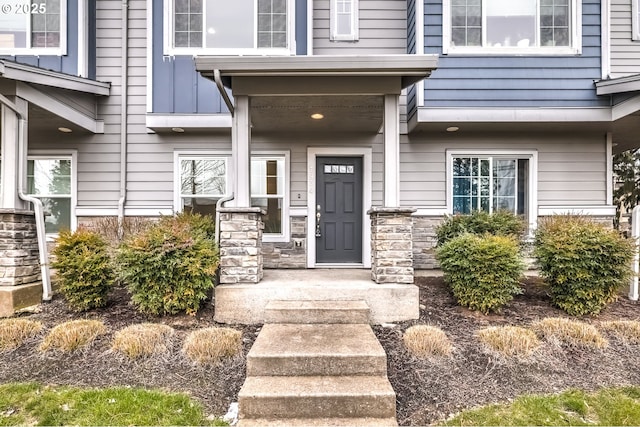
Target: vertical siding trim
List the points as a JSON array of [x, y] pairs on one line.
[[605, 35], [309, 27], [609, 149], [635, 20], [420, 48], [83, 48], [150, 42]]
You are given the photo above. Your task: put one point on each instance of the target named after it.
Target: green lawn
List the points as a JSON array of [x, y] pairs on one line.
[[36, 404], [607, 407]]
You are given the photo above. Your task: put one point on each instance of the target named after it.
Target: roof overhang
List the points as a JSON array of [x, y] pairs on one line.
[[618, 85]]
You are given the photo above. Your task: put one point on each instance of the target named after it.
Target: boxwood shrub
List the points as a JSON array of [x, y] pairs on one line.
[[84, 269], [483, 272], [501, 223], [583, 262], [169, 268]]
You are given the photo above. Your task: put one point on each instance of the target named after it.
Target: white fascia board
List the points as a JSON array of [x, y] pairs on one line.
[[58, 108], [502, 115], [625, 108], [588, 210], [431, 211], [186, 121], [26, 73]]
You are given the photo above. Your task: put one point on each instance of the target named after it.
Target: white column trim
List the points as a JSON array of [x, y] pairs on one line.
[[366, 154], [241, 153], [10, 160], [605, 37], [609, 178], [391, 151], [150, 42], [83, 39]]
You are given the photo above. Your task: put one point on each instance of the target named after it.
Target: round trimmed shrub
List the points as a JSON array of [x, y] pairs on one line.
[[583, 262], [84, 270], [499, 223], [169, 268], [483, 272]]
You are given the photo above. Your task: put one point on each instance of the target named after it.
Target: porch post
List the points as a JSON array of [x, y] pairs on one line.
[[241, 153], [391, 150], [10, 160]]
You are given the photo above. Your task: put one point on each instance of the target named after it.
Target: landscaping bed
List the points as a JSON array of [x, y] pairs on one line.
[[427, 390]]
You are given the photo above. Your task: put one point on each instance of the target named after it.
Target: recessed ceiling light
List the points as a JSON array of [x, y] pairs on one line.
[[453, 129], [317, 116], [64, 129], [178, 130]]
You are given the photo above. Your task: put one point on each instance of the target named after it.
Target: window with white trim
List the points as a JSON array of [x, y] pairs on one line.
[[50, 179], [344, 20], [202, 180], [490, 183], [227, 27], [512, 26], [33, 27], [268, 190]]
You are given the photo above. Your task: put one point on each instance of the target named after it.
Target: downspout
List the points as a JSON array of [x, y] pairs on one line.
[[635, 234], [218, 206], [123, 117], [37, 204], [225, 96]]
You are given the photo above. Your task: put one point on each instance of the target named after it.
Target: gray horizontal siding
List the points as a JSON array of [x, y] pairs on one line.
[[625, 52], [571, 169], [514, 81]]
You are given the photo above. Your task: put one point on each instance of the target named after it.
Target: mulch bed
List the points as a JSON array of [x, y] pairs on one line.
[[427, 390]]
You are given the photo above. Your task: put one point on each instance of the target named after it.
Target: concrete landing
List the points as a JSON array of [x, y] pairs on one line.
[[327, 312]]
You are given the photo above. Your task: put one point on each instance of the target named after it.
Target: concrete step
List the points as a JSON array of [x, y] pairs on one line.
[[316, 311], [319, 422], [317, 397], [315, 350]]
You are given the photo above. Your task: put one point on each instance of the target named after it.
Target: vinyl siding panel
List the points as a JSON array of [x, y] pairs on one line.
[[471, 81], [625, 52]]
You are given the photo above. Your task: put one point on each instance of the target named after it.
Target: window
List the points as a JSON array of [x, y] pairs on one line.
[[50, 179], [203, 180], [267, 190], [635, 19], [241, 26], [33, 27], [344, 20], [500, 26], [492, 182]]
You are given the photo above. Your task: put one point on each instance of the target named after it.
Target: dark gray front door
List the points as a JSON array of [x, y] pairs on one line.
[[339, 204]]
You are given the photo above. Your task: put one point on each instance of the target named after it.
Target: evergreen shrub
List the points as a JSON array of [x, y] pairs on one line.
[[500, 223], [483, 272], [583, 262], [84, 269]]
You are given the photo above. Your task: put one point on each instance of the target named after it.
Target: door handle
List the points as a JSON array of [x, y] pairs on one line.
[[318, 215]]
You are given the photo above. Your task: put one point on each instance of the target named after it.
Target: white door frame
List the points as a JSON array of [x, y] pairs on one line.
[[366, 154]]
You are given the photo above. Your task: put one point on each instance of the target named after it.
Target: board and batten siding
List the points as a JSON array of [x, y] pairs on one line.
[[572, 168], [471, 81], [625, 52]]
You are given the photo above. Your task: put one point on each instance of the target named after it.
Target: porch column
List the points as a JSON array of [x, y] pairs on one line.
[[10, 157], [241, 153], [391, 150], [391, 245], [240, 245]]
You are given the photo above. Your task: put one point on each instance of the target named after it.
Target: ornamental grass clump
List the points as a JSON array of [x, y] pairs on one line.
[[571, 332], [169, 268], [211, 345], [483, 272], [583, 262], [145, 339], [73, 335], [627, 331], [14, 332], [499, 223], [83, 268], [425, 341], [509, 340]]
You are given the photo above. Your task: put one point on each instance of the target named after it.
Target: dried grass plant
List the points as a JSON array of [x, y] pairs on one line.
[[571, 332], [14, 332], [211, 345], [625, 330], [426, 341], [143, 339], [509, 340], [72, 335]]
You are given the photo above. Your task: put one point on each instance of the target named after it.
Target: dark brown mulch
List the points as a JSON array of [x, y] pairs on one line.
[[427, 390]]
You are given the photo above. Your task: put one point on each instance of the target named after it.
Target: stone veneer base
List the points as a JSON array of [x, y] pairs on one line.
[[13, 298]]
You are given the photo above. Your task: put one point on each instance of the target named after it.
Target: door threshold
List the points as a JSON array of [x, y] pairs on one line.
[[339, 265]]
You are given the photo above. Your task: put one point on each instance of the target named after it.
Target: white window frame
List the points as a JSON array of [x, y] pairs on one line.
[[36, 51], [226, 156], [168, 36], [531, 155], [575, 34], [635, 20], [60, 155], [333, 22]]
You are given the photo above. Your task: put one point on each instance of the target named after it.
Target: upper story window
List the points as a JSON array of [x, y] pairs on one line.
[[344, 20], [512, 26], [217, 26], [36, 27]]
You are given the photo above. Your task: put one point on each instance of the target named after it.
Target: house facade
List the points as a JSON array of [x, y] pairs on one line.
[[345, 129]]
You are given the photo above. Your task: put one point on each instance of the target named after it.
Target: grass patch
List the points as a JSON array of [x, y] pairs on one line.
[[34, 404], [72, 335], [509, 340], [607, 407], [625, 330], [570, 332], [144, 339], [210, 345], [14, 332], [425, 341]]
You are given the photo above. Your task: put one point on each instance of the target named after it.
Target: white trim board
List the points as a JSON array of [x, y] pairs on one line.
[[366, 154], [588, 210]]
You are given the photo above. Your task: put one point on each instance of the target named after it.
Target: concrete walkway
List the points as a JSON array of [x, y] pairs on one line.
[[317, 363]]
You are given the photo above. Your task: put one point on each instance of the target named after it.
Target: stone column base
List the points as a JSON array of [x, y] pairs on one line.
[[391, 245], [241, 245]]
